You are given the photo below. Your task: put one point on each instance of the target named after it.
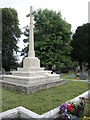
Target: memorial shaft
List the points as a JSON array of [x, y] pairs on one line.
[[31, 35]]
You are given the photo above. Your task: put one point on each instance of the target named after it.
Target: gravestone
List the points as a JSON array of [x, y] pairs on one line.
[[31, 77], [83, 75]]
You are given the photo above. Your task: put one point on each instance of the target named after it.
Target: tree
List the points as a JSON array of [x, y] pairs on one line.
[[52, 39], [10, 37], [81, 45]]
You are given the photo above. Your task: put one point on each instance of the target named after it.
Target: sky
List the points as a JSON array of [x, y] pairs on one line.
[[75, 12]]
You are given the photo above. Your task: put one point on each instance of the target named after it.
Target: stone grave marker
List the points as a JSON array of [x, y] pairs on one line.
[[83, 75]]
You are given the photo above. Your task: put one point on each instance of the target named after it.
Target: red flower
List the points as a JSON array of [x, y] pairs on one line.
[[75, 78], [70, 108]]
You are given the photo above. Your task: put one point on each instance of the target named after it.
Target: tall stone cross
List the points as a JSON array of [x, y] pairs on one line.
[[31, 52]]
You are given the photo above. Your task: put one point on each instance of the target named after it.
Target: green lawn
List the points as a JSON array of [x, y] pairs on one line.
[[66, 76], [44, 100], [87, 109], [69, 75]]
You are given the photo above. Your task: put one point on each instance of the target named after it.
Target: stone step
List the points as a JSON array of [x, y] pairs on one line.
[[36, 83], [30, 88], [29, 80], [32, 83], [31, 73], [30, 69]]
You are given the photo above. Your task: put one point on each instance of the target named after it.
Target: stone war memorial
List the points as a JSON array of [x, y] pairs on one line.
[[69, 103], [31, 77]]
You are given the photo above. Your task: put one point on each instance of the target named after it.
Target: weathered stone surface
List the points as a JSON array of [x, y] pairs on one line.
[[35, 86], [31, 80], [83, 75], [32, 72], [31, 62]]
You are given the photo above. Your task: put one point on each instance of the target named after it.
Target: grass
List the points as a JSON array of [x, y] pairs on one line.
[[69, 76], [44, 100], [87, 109]]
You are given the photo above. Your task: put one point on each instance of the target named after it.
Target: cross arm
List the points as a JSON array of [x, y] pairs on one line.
[[28, 15], [32, 14]]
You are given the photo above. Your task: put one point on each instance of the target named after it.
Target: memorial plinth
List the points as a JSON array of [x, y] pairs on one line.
[[31, 77]]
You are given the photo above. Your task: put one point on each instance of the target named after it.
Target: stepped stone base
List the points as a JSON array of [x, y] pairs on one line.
[[33, 83], [31, 72], [31, 88], [31, 77]]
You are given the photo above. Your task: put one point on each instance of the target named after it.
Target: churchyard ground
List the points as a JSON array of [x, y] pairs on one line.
[[44, 100]]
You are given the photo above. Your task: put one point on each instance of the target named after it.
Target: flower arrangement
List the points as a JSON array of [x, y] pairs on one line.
[[72, 111]]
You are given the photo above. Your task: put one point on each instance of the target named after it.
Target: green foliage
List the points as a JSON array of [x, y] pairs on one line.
[[10, 37], [44, 100], [87, 109], [81, 44], [52, 39]]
